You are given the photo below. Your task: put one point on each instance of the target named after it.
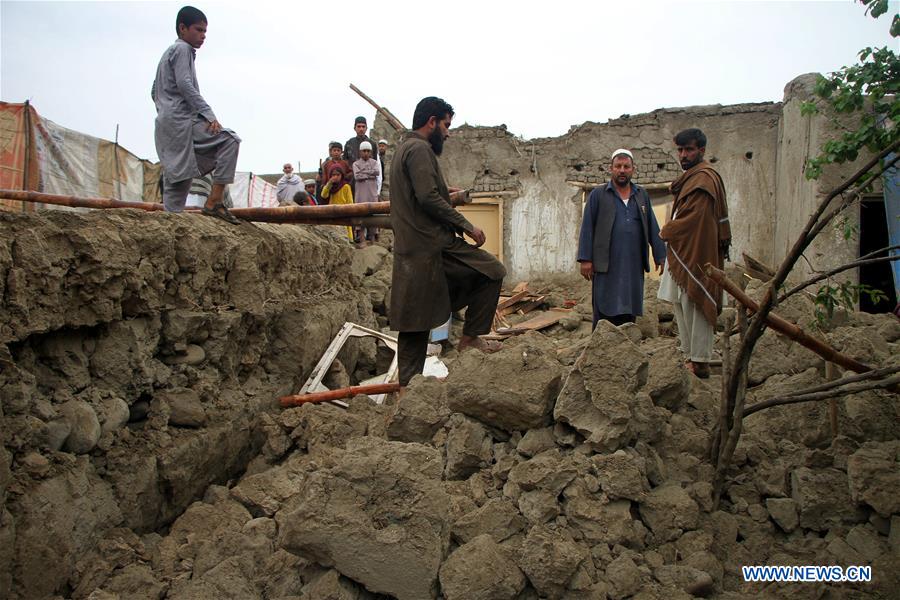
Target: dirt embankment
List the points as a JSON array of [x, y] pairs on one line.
[[137, 353], [572, 464]]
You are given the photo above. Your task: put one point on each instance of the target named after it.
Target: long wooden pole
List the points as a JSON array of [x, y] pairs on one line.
[[75, 201], [290, 214], [29, 143], [394, 121], [116, 159], [347, 392], [380, 221], [287, 214], [785, 327]]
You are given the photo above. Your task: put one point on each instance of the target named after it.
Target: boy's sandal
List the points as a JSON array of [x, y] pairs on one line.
[[220, 211]]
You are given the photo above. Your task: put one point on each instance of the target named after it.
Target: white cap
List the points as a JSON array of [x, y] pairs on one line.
[[385, 142], [623, 151], [365, 146], [307, 182]]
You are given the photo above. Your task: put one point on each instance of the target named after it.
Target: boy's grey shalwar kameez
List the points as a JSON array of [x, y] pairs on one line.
[[185, 146]]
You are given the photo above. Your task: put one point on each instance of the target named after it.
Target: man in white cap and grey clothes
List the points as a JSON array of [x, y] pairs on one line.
[[366, 173], [287, 186], [617, 228]]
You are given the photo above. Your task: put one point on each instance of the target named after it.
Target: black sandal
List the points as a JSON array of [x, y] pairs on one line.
[[220, 211]]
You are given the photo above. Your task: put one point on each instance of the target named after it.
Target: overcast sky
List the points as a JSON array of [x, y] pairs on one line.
[[278, 72]]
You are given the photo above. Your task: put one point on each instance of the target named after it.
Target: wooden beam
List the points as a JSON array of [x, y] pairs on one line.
[[394, 121], [785, 327], [539, 322]]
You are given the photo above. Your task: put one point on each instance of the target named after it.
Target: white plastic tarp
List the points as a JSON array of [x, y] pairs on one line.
[[248, 190]]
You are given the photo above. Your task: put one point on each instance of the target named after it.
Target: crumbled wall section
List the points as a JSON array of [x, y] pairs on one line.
[[542, 208], [760, 149], [138, 353], [652, 166], [800, 137]]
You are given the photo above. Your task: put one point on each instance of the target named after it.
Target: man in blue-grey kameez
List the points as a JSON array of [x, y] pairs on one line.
[[617, 228], [190, 141]]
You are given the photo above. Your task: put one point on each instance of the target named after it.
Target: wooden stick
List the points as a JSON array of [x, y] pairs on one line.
[[322, 215], [293, 214], [347, 392], [394, 121], [76, 201], [784, 327], [512, 299]]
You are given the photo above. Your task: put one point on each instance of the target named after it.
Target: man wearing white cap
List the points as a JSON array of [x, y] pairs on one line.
[[617, 228], [366, 173]]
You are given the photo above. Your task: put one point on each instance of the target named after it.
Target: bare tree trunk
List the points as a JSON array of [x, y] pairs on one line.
[[735, 388]]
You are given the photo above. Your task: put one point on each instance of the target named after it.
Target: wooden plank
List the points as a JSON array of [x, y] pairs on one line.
[[530, 306], [756, 268], [521, 286], [529, 302], [512, 299], [535, 323]]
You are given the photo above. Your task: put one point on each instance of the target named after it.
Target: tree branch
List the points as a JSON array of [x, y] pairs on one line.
[[758, 323], [825, 395], [852, 196], [804, 239], [863, 260], [874, 374]]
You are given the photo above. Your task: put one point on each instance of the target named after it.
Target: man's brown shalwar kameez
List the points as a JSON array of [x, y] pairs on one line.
[[435, 270]]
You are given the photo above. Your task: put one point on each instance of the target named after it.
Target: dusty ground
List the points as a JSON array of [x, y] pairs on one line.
[[144, 455]]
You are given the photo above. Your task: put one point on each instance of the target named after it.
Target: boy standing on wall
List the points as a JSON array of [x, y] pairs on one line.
[[190, 141]]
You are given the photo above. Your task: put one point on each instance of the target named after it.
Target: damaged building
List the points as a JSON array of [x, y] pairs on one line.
[[144, 453], [530, 193]]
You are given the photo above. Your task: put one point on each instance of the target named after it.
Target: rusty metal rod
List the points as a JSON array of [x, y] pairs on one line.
[[347, 392]]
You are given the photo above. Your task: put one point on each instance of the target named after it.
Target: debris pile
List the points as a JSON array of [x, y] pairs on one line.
[[520, 302], [571, 464]]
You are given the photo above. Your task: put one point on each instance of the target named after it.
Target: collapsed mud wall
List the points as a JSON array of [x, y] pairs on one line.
[[760, 150], [570, 465], [542, 208], [143, 455], [137, 352]]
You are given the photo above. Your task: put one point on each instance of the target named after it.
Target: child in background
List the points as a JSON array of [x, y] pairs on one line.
[[190, 141], [366, 172], [337, 190]]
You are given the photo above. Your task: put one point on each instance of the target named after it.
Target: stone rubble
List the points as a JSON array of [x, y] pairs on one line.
[[571, 464]]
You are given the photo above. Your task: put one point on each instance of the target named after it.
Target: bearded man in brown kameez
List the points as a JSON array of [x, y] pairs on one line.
[[435, 270], [697, 233]]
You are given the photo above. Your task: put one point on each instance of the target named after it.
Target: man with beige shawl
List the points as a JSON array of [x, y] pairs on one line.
[[697, 233]]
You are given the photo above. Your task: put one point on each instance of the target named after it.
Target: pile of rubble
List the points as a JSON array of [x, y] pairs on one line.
[[571, 464]]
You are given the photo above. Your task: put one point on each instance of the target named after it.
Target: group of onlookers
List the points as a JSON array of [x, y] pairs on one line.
[[352, 173]]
